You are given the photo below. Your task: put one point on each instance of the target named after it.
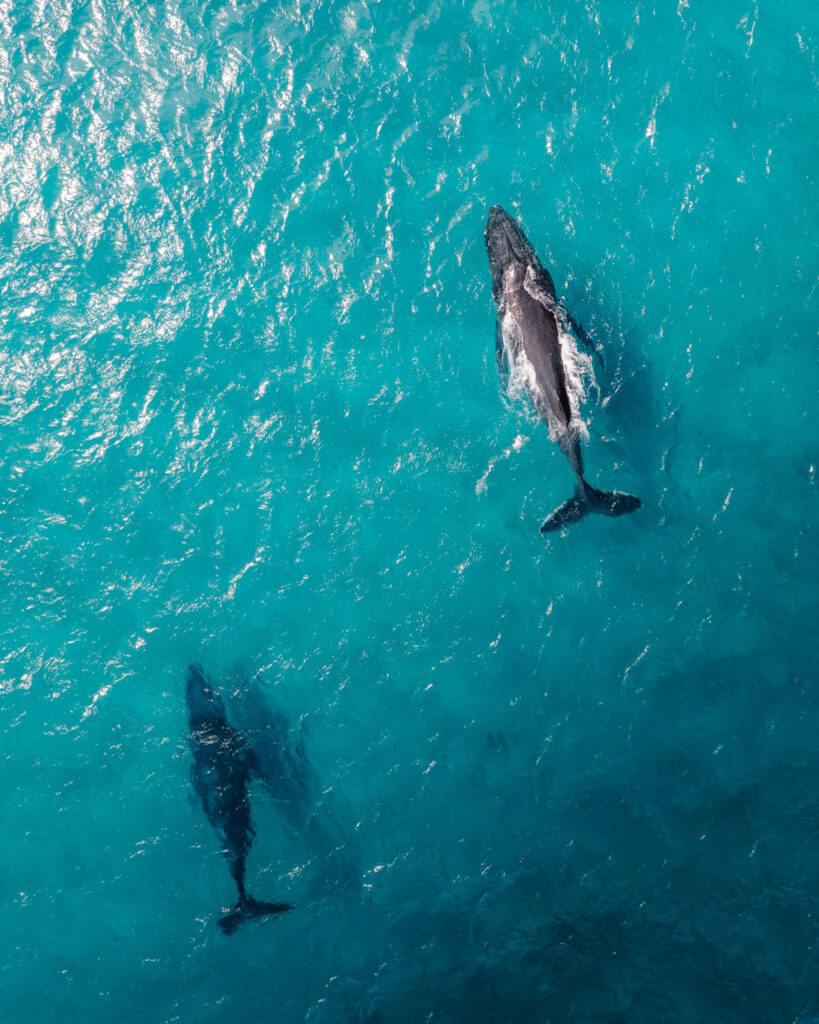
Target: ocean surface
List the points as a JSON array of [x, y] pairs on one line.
[[251, 417]]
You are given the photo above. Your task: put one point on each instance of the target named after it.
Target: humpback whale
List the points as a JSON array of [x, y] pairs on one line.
[[529, 320], [309, 810], [223, 766]]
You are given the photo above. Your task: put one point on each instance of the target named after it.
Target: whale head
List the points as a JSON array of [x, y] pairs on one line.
[[508, 249], [511, 255], [203, 700]]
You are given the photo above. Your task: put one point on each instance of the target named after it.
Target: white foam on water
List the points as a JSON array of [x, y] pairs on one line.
[[522, 384], [580, 378], [482, 485]]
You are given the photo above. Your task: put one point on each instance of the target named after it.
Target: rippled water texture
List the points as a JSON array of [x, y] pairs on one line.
[[251, 416]]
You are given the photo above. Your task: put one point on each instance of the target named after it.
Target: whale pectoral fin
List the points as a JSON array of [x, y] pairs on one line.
[[501, 356], [583, 337], [500, 349], [579, 331]]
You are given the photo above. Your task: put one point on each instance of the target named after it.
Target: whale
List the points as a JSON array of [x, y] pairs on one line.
[[223, 767], [308, 809], [528, 328]]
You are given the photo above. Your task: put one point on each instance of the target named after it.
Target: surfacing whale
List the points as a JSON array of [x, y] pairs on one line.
[[223, 765], [528, 340]]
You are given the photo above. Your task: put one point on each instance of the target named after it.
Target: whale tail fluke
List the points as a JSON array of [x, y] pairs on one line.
[[587, 499], [612, 503], [248, 909], [569, 512]]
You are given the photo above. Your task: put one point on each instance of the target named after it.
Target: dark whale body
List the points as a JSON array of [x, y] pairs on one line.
[[223, 766], [528, 336]]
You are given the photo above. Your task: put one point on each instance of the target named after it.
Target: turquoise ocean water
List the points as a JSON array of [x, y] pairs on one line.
[[251, 416]]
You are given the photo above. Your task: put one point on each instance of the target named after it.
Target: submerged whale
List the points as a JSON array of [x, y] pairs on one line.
[[223, 765], [528, 340], [309, 809]]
